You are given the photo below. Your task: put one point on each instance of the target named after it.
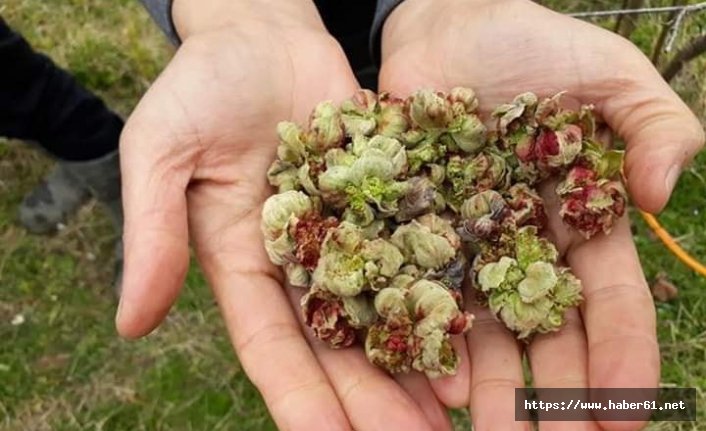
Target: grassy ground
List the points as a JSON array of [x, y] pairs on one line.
[[63, 368]]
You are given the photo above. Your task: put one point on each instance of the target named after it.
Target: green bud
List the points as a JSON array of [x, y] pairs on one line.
[[494, 274], [359, 310], [413, 137], [402, 281], [548, 108], [341, 267], [434, 304], [483, 203], [281, 249], [427, 152], [346, 237], [304, 178], [469, 133], [359, 213], [567, 292], [428, 110], [441, 226], [297, 275], [340, 273], [507, 114], [533, 298], [530, 248], [367, 113], [389, 148], [383, 261], [373, 230], [439, 316], [358, 113], [338, 157], [391, 304], [325, 128], [279, 209], [392, 120], [521, 317], [606, 163], [291, 148], [436, 357], [373, 163], [465, 97], [539, 280], [421, 246], [412, 270], [283, 175], [335, 179]]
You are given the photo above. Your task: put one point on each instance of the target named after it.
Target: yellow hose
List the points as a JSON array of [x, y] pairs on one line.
[[672, 245]]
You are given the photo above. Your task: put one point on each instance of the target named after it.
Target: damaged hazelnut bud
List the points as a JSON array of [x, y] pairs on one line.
[[386, 206], [527, 291]]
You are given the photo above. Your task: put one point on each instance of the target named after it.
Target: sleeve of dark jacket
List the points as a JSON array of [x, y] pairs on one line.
[[383, 10], [161, 12]]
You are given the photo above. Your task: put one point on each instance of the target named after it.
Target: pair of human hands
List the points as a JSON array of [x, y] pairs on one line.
[[196, 149]]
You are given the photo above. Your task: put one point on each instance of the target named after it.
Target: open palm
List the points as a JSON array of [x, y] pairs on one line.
[[506, 47], [194, 156]]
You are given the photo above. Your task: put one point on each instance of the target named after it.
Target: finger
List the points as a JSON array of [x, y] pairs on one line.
[[372, 400], [418, 387], [560, 360], [618, 313], [156, 234], [265, 332], [496, 370], [454, 391], [662, 137]]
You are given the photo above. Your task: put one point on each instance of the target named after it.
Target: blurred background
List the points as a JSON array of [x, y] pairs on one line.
[[62, 366]]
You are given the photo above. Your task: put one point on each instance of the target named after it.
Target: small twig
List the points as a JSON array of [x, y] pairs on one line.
[[664, 33], [640, 11], [681, 11], [674, 31]]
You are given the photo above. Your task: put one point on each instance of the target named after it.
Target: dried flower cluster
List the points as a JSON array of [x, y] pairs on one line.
[[385, 206]]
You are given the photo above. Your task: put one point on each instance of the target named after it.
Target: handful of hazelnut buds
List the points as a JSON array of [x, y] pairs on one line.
[[385, 206]]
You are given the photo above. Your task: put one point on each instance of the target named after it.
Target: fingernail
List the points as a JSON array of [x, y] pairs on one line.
[[671, 179]]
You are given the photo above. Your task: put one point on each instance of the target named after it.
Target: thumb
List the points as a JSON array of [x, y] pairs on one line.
[[156, 233], [662, 137]]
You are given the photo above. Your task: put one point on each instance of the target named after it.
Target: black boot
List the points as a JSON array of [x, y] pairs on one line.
[[70, 185]]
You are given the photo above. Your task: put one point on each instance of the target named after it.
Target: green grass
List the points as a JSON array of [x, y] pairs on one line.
[[64, 368]]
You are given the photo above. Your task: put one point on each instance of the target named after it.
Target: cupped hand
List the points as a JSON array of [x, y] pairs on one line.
[[194, 157], [501, 48]]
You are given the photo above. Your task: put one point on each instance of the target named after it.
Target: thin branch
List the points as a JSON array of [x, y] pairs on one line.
[[694, 49], [674, 31], [681, 11], [640, 11], [667, 26]]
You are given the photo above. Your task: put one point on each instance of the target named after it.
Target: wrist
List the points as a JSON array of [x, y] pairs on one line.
[[193, 17]]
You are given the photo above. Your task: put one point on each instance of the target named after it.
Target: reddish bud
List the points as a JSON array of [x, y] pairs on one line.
[[309, 233], [325, 315]]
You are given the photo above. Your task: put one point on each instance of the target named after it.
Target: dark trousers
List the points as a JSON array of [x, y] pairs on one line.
[[43, 103]]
